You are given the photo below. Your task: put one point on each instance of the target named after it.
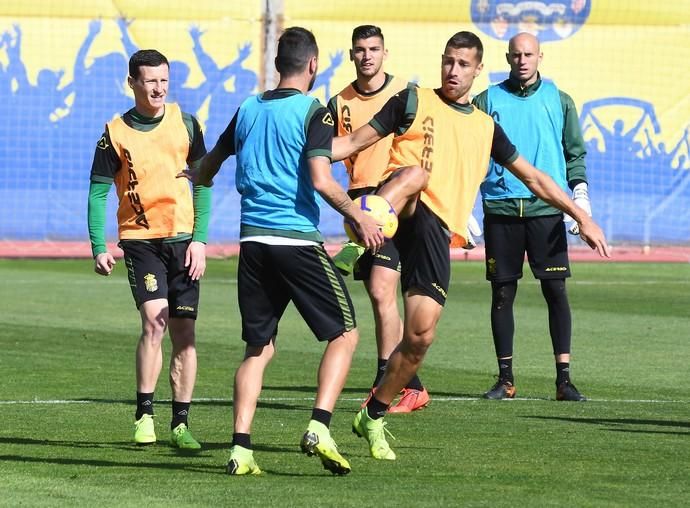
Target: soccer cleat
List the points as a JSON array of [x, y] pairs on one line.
[[501, 390], [181, 438], [567, 391], [374, 431], [411, 400], [144, 430], [317, 440], [242, 462], [347, 257]]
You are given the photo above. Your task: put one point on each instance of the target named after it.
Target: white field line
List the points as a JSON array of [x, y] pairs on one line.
[[571, 281], [358, 399]]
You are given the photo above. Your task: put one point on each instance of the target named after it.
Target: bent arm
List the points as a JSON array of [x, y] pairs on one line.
[[331, 191], [346, 146]]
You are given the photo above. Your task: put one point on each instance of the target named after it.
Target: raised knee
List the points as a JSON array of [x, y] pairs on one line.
[[417, 177]]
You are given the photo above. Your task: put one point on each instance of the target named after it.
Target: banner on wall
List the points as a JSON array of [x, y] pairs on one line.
[[63, 68]]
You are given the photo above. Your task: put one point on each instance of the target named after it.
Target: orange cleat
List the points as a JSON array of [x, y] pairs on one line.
[[411, 400]]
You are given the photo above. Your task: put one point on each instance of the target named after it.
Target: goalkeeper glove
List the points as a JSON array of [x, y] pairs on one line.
[[581, 199], [473, 230]]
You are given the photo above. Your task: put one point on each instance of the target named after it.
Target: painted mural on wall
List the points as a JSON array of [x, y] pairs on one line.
[[54, 112]]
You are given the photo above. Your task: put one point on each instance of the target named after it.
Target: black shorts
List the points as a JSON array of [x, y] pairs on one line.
[[156, 270], [270, 276], [543, 238], [424, 246], [387, 257]]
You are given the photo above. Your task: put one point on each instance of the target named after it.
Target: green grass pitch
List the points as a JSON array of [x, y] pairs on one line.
[[67, 339]]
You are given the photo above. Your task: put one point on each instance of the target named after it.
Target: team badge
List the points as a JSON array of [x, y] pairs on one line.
[[491, 265], [150, 282], [549, 20], [328, 119]]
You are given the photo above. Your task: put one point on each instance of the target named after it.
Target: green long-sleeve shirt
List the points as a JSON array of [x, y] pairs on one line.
[[573, 150], [106, 163]]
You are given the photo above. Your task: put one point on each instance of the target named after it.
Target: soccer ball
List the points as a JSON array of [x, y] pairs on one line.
[[382, 212]]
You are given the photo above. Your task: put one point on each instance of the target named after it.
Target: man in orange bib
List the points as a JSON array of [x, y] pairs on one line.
[[351, 108], [162, 229], [438, 160]]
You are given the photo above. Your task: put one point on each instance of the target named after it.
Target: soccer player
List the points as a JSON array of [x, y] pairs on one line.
[[282, 142], [162, 231], [351, 108], [439, 157], [543, 123]]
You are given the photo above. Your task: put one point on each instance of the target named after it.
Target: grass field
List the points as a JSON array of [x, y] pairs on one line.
[[68, 336]]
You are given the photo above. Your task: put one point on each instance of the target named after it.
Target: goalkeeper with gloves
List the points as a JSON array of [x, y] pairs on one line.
[[542, 122]]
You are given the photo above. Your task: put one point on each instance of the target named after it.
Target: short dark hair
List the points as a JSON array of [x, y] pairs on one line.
[[466, 40], [146, 58], [296, 47], [366, 31]]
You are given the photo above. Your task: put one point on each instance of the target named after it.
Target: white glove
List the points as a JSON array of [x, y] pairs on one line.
[[581, 199], [473, 230]]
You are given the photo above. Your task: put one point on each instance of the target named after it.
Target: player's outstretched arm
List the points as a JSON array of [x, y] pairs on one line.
[[345, 146], [331, 191], [545, 188]]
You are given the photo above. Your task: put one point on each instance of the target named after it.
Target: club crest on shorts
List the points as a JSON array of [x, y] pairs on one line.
[[549, 20], [150, 282]]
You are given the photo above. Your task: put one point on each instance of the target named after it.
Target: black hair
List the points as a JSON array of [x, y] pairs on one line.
[[366, 31], [146, 58], [466, 40], [296, 47]]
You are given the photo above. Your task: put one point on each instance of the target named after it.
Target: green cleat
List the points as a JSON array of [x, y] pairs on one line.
[[347, 257], [144, 430], [374, 431], [317, 440], [242, 462], [181, 438]]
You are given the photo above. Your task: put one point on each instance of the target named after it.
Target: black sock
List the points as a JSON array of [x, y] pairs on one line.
[[144, 405], [242, 440], [380, 370], [376, 409], [321, 416], [180, 410], [505, 369], [415, 384], [562, 372]]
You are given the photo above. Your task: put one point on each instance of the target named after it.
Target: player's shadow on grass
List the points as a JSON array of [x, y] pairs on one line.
[[625, 424], [179, 466], [310, 389], [71, 444]]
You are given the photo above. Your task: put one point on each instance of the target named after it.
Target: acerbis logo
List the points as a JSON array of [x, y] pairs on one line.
[[132, 194], [549, 20], [439, 289]]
